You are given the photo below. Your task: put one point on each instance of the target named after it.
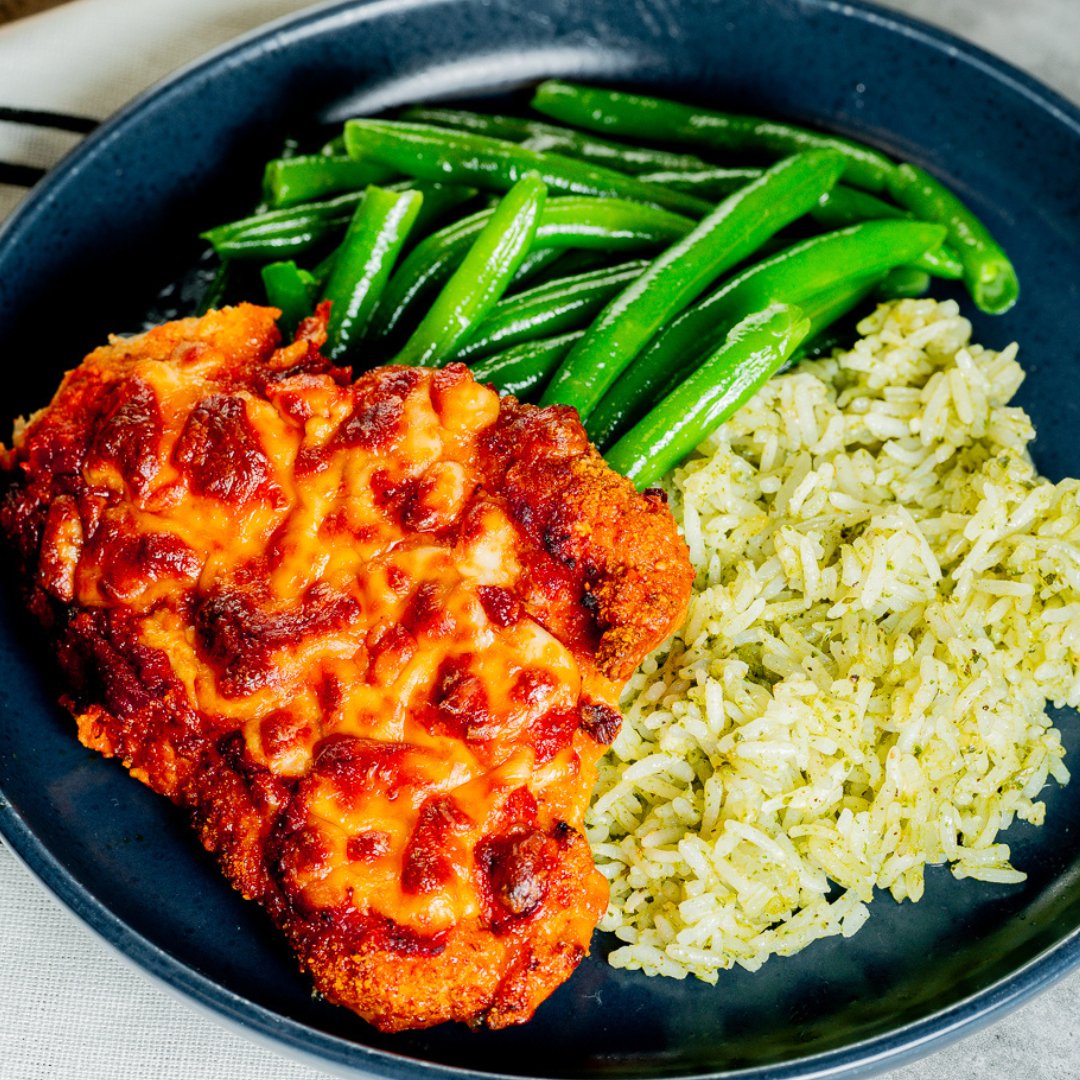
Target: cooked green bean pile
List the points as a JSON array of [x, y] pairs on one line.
[[636, 258]]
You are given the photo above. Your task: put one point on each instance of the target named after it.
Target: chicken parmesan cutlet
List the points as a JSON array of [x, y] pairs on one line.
[[370, 634]]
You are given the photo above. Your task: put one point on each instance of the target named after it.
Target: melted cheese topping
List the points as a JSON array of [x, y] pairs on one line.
[[326, 575]]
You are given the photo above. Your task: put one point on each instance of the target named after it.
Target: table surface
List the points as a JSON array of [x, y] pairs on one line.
[[70, 1008]]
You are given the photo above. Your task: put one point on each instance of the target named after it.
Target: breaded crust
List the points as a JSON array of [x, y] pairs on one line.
[[370, 634]]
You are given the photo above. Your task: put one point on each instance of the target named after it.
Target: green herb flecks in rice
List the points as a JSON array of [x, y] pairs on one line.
[[887, 596]]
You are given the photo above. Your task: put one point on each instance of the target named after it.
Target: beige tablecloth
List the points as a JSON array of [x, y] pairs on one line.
[[70, 1009]]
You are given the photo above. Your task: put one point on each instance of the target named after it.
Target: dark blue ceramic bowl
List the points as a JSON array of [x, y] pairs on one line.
[[88, 254]]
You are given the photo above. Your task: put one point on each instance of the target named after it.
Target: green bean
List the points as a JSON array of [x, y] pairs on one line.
[[334, 147], [288, 181], [433, 153], [551, 308], [988, 273], [612, 225], [841, 206], [904, 281], [852, 206], [373, 241], [636, 116], [535, 264], [824, 310], [619, 157], [291, 290], [734, 230], [576, 261], [837, 208], [711, 183], [439, 200], [848, 206], [752, 353], [484, 273], [322, 270], [943, 263], [585, 280], [622, 157], [807, 269], [287, 231], [291, 230], [525, 368], [793, 275], [494, 125]]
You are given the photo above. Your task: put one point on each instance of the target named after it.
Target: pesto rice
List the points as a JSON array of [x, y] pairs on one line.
[[887, 596]]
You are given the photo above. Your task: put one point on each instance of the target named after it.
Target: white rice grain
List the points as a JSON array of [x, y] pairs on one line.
[[884, 604]]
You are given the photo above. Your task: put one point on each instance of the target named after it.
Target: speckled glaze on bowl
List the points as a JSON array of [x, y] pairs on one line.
[[88, 253]]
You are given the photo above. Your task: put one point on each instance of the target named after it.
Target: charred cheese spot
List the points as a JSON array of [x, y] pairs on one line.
[[533, 685], [250, 644], [122, 563], [354, 766], [438, 498], [285, 742], [464, 407], [309, 400], [428, 614], [501, 606], [600, 721], [307, 860], [552, 732], [368, 846], [220, 452], [429, 857], [390, 649], [377, 421], [460, 701], [130, 436], [514, 870], [61, 549]]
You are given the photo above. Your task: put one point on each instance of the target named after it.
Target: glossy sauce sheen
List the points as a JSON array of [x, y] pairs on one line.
[[370, 633]]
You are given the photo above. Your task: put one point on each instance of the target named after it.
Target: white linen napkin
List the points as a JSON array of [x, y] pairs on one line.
[[70, 1008], [82, 61]]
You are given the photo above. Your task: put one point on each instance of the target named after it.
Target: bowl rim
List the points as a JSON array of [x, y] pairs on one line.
[[321, 1049]]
